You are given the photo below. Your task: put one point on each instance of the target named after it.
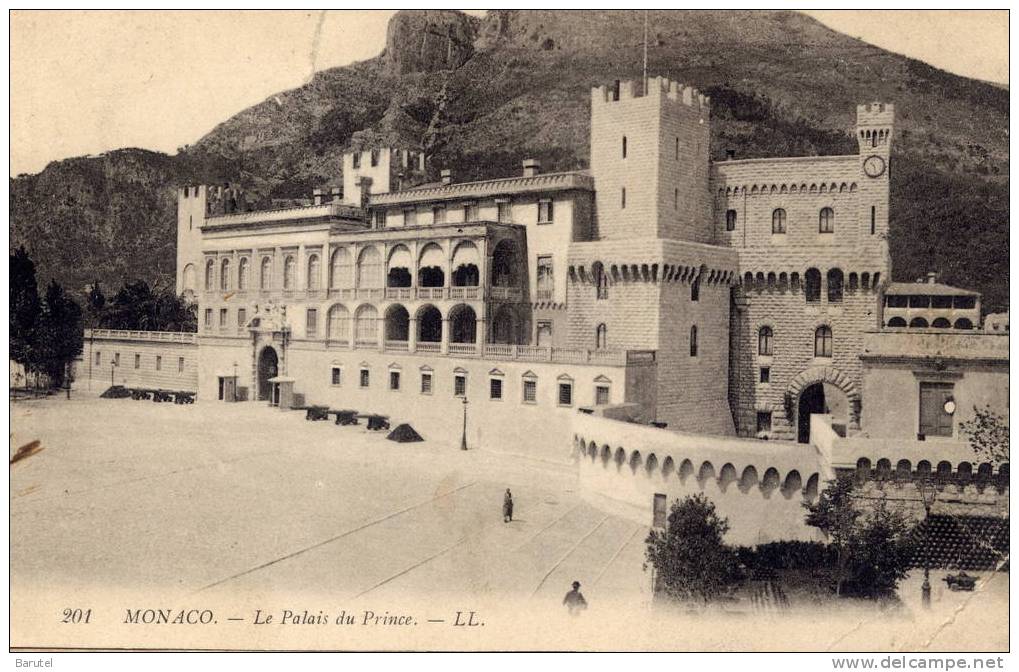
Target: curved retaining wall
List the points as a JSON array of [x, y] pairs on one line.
[[760, 486]]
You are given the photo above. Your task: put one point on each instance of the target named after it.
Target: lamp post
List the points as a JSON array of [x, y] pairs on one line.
[[928, 493], [113, 365], [463, 437], [235, 382]]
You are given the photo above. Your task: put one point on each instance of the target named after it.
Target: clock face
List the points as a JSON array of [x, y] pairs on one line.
[[874, 166]]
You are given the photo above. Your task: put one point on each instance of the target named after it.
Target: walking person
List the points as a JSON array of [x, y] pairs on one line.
[[507, 507], [574, 600]]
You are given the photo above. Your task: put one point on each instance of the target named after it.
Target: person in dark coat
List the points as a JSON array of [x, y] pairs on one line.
[[507, 507], [574, 600]]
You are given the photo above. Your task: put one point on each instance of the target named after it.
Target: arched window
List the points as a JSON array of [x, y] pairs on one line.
[[695, 289], [369, 268], [289, 272], [963, 323], [730, 220], [918, 323], [601, 280], [265, 274], [778, 221], [210, 270], [224, 275], [693, 341], [897, 322], [314, 272], [601, 337], [941, 323], [835, 281], [624, 146], [366, 325], [340, 270], [764, 342], [338, 325], [822, 341], [189, 277], [812, 285], [826, 221], [242, 273]]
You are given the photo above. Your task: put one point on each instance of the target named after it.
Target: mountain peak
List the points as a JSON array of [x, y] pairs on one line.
[[429, 40]]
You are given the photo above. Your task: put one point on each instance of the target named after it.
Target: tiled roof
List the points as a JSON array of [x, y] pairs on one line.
[[927, 289], [510, 185]]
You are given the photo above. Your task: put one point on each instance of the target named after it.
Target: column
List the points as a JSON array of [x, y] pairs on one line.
[[325, 263], [444, 347], [380, 331], [412, 334], [301, 279], [480, 335]]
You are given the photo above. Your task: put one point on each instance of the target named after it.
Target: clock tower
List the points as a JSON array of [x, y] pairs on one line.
[[874, 125]]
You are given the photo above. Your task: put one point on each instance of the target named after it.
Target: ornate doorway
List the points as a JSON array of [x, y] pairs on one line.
[[268, 367]]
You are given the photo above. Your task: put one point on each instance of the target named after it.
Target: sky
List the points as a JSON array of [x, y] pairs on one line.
[[88, 82]]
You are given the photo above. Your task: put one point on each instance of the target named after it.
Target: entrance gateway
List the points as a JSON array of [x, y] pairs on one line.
[[268, 367]]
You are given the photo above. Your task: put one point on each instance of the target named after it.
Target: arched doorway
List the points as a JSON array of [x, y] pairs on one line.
[[811, 401], [268, 367]]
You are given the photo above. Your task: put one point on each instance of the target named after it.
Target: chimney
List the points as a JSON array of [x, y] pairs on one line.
[[932, 278], [317, 194], [337, 194], [447, 176], [531, 167], [730, 154]]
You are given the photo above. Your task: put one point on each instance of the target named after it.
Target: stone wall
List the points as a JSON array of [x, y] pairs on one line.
[[165, 360]]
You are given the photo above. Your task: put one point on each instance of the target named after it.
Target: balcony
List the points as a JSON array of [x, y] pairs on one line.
[[431, 293], [399, 293], [544, 294], [428, 346], [151, 336], [466, 293], [462, 349], [397, 346]]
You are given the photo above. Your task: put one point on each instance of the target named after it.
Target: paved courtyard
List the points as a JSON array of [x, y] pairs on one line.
[[238, 508]]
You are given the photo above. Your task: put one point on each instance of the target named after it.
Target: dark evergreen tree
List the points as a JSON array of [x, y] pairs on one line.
[[60, 334], [25, 309], [96, 305]]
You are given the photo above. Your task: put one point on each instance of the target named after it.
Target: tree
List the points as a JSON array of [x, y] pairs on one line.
[[25, 309], [96, 305], [987, 433], [60, 334], [835, 514], [690, 558], [137, 307]]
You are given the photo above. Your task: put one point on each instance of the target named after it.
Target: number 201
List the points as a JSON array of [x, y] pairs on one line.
[[77, 615]]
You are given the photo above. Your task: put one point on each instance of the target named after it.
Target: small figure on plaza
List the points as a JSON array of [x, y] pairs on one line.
[[507, 507], [574, 600]]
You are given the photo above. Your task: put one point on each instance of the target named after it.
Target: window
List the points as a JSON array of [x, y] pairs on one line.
[[242, 317], [336, 375], [934, 419], [675, 199], [873, 219], [311, 327], [693, 341], [357, 159], [495, 388], [375, 157], [410, 217], [601, 395], [545, 211], [459, 385], [380, 219], [426, 383], [159, 362], [545, 277], [439, 214], [565, 394], [99, 358], [624, 146], [812, 285], [289, 272], [543, 333], [224, 275], [730, 220], [763, 421], [764, 342], [601, 281], [314, 272], [471, 212], [180, 365], [826, 221], [137, 361], [265, 276], [695, 289], [242, 274], [504, 214], [835, 282], [116, 359], [530, 391], [822, 342], [365, 377], [208, 318], [222, 318], [765, 374], [778, 221], [677, 149], [896, 300], [601, 337], [622, 198], [210, 266], [394, 380]]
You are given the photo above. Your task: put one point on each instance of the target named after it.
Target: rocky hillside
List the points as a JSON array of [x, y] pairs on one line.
[[480, 95]]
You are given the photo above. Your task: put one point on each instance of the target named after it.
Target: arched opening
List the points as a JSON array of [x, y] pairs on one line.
[[620, 457], [862, 469], [606, 454], [398, 273], [706, 473], [897, 322], [429, 324], [883, 470], [338, 324], [685, 470], [811, 401], [369, 269], [963, 323], [944, 470], [397, 323], [505, 265], [430, 267], [651, 466], [748, 480], [727, 476], [601, 280], [835, 280], [823, 341], [601, 337], [366, 325], [923, 469], [340, 268], [778, 221], [505, 326], [668, 467], [941, 323], [903, 470], [771, 481], [764, 342], [466, 262], [463, 324], [314, 280], [793, 484], [812, 285], [268, 367], [224, 275], [242, 274], [265, 274], [810, 492], [289, 273], [635, 461], [189, 278], [918, 323]]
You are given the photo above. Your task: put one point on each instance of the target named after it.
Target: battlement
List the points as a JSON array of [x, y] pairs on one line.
[[657, 87], [385, 156], [875, 114]]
